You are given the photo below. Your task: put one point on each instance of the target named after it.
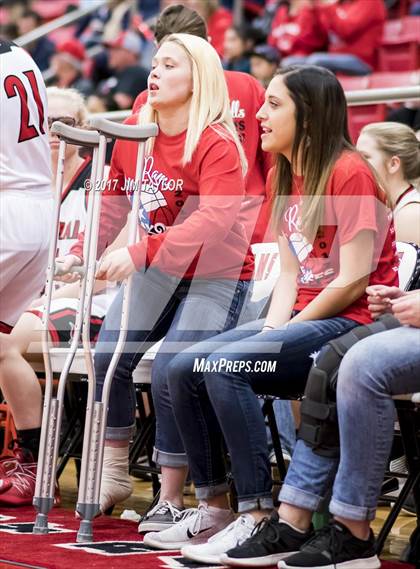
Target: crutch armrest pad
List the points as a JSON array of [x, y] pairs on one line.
[[124, 131], [77, 136]]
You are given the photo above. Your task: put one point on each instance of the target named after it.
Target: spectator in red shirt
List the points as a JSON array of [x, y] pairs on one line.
[[354, 29], [217, 18], [246, 97], [296, 29], [192, 265], [335, 237]]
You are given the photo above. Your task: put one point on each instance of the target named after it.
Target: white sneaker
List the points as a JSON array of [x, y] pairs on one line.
[[231, 536], [195, 525]]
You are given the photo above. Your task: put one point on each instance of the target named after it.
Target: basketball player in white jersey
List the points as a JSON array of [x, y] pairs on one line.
[[18, 381], [25, 183]]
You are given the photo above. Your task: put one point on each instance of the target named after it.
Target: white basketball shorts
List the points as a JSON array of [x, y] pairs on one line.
[[26, 223]]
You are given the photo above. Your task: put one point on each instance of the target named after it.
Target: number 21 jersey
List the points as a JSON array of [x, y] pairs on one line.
[[25, 162]]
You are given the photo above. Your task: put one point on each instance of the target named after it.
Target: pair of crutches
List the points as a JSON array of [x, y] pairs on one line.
[[96, 411]]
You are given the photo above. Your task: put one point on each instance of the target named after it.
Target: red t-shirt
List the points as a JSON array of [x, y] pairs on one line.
[[217, 25], [246, 97], [353, 202], [298, 34], [354, 27], [189, 215]]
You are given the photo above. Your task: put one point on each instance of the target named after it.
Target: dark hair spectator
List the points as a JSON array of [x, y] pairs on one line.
[[8, 31], [236, 48], [177, 18], [264, 61], [42, 49], [129, 77], [408, 114], [218, 19]]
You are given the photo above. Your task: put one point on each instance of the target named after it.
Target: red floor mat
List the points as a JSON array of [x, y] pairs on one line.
[[117, 545]]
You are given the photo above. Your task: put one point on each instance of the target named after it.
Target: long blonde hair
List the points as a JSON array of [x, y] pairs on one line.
[[209, 100], [396, 139]]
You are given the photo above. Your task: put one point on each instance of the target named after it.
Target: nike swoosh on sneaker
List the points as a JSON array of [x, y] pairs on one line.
[[191, 535]]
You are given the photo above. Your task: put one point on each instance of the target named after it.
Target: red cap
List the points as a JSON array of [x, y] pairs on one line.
[[127, 40], [73, 51]]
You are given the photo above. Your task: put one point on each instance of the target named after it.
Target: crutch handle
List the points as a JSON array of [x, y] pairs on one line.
[[77, 136], [59, 272], [124, 131]]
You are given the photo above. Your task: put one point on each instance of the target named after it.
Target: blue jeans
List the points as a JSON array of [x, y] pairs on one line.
[[336, 62], [282, 409], [371, 372], [219, 400], [182, 311]]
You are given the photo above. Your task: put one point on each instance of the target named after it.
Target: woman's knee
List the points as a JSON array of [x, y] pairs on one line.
[[361, 369], [180, 373], [221, 370]]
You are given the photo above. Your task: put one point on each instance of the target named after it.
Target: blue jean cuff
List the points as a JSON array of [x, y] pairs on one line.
[[351, 512], [173, 459], [257, 503], [205, 492], [120, 433], [300, 498]]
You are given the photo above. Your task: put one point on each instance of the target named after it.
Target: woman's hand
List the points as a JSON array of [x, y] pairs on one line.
[[66, 263], [379, 298], [407, 309], [116, 266]]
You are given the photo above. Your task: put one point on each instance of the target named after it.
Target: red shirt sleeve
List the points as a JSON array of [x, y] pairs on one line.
[[351, 19], [221, 190], [114, 208], [354, 204], [301, 34]]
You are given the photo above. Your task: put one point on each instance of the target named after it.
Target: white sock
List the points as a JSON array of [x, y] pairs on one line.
[[116, 484]]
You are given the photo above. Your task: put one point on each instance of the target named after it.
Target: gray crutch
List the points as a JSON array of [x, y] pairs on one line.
[[96, 412], [52, 412]]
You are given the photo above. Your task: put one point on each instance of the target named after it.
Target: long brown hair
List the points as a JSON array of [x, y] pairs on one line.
[[321, 136]]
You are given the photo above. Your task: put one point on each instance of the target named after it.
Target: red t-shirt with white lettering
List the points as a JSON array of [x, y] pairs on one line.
[[246, 96], [353, 202], [188, 216]]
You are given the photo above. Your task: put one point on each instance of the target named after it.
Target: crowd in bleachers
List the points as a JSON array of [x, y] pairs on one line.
[[106, 55], [278, 93]]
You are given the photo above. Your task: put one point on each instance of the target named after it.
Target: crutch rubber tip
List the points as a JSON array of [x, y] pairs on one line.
[[41, 524], [85, 533]]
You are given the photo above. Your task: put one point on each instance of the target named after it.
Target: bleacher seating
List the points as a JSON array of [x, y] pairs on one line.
[[359, 116], [400, 49]]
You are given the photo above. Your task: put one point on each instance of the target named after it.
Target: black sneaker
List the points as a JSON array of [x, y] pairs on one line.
[[334, 547], [163, 516], [270, 541]]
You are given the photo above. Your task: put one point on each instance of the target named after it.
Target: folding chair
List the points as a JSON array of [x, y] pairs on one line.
[[408, 410]]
